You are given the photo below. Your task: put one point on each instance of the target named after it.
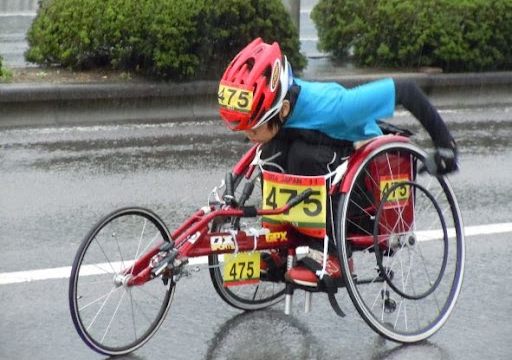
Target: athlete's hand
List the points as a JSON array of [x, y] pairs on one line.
[[442, 161]]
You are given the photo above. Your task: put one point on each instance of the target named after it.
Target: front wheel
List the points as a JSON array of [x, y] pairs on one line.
[[111, 317], [401, 244]]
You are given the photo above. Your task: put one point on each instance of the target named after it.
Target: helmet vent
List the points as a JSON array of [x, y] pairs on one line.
[[250, 64], [267, 74], [256, 113]]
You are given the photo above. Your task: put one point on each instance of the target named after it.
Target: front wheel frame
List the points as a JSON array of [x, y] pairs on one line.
[[112, 317]]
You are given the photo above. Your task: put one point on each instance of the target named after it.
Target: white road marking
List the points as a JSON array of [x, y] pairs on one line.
[[96, 269], [65, 272], [468, 231]]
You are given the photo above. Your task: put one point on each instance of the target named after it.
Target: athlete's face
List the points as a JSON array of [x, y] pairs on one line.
[[262, 134], [266, 132]]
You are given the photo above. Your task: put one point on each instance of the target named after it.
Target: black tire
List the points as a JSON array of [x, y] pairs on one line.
[[405, 288], [111, 317], [251, 296]]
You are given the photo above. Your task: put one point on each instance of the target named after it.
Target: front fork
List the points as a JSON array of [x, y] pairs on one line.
[[149, 266]]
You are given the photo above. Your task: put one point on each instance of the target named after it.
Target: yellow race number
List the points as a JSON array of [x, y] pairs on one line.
[[244, 268], [310, 215], [400, 193], [235, 98]]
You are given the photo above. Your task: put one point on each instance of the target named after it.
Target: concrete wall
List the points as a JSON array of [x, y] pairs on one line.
[[18, 6], [54, 104]]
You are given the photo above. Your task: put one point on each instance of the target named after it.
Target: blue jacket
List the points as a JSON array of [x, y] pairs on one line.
[[345, 114]]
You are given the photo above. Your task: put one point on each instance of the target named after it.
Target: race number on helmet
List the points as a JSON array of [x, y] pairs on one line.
[[254, 85]]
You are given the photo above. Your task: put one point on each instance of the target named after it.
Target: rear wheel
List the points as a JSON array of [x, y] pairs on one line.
[[403, 231], [250, 296], [111, 317]]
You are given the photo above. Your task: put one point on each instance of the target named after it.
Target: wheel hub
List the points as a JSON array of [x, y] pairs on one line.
[[397, 241], [122, 280]]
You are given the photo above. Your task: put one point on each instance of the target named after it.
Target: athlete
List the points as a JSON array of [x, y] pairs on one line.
[[307, 128]]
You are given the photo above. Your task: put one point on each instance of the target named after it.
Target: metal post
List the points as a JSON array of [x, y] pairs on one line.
[[288, 299], [307, 302], [290, 262], [293, 7]]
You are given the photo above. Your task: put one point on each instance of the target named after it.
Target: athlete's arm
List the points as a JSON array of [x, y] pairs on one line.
[[410, 96]]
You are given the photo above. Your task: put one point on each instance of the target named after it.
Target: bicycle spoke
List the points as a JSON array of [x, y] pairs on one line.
[[150, 243], [133, 314], [98, 299], [105, 255], [87, 283], [141, 310], [113, 316], [120, 253], [101, 307], [100, 267], [140, 240], [148, 294]]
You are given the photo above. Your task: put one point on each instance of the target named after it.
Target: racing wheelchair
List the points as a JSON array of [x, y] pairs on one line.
[[397, 229]]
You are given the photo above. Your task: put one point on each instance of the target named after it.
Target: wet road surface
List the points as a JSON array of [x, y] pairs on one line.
[[57, 182]]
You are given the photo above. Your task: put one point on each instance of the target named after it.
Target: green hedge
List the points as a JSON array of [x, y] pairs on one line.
[[168, 39], [456, 35], [234, 23], [5, 74]]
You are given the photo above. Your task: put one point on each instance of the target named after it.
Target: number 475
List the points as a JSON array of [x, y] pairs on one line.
[[237, 270], [313, 210]]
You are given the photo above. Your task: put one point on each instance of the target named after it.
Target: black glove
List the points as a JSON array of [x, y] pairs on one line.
[[442, 161]]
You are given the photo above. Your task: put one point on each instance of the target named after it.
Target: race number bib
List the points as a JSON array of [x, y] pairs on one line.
[[309, 216], [242, 269]]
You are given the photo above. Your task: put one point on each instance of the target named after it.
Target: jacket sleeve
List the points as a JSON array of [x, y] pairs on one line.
[[410, 96], [367, 102]]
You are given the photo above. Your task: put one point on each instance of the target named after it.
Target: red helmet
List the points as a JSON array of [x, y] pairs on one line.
[[254, 85]]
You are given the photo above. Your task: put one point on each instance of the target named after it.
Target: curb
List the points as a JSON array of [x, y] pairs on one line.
[[59, 104], [70, 104]]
